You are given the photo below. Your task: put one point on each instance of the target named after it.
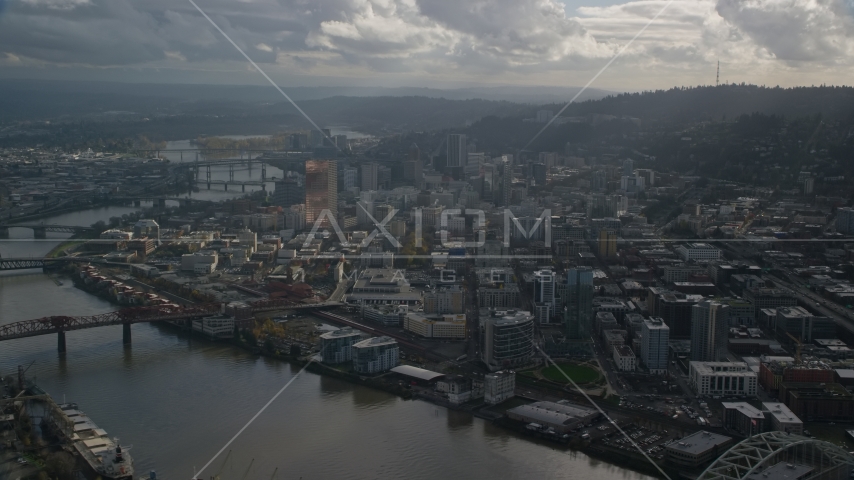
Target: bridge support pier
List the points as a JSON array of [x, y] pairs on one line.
[[209, 186], [60, 341], [39, 232], [137, 203], [4, 232], [126, 333], [226, 187], [244, 187]]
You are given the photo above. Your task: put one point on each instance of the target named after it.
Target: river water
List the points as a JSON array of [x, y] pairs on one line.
[[178, 401]]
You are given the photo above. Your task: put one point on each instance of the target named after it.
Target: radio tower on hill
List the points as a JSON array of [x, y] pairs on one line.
[[718, 76]]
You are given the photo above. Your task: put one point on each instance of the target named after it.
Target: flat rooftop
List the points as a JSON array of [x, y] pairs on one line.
[[782, 471], [781, 412], [554, 413], [415, 372], [745, 409], [699, 442]]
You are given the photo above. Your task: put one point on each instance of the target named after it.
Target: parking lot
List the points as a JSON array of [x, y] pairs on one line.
[[650, 441]]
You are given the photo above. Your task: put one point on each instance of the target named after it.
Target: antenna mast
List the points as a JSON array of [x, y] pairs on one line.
[[718, 76]]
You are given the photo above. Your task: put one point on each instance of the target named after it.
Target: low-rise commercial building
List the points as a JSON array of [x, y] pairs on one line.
[[449, 326], [818, 401], [624, 358], [743, 418], [697, 449], [499, 386], [457, 387], [722, 378], [780, 418], [388, 315], [562, 417]]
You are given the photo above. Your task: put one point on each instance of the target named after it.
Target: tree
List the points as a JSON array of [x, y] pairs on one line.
[[295, 350], [60, 465]]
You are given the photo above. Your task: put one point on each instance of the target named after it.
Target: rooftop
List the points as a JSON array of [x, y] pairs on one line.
[[781, 412], [416, 372], [745, 409], [782, 471], [554, 413], [699, 442]]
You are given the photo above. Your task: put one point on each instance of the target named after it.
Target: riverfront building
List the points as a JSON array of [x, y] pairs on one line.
[[562, 417], [499, 386], [336, 346], [375, 355], [507, 338], [743, 418]]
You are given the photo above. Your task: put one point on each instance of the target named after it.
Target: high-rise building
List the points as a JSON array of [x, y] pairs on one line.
[[348, 178], [628, 167], [289, 191], [506, 183], [709, 331], [370, 176], [544, 295], [375, 355], [499, 386], [457, 152], [579, 304], [538, 173], [321, 190], [336, 346], [607, 244], [655, 338], [845, 220]]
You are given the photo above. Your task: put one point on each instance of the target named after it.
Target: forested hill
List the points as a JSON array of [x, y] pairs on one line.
[[713, 103]]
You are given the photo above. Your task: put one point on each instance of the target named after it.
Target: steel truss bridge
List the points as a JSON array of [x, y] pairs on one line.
[[40, 230], [128, 316], [753, 456]]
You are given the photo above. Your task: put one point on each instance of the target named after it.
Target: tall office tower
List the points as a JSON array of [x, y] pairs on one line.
[[457, 151], [845, 220], [289, 191], [414, 152], [598, 181], [348, 177], [490, 182], [315, 138], [506, 183], [538, 174], [544, 295], [607, 244], [579, 304], [655, 337], [370, 176], [628, 167], [321, 190], [413, 166], [709, 331]]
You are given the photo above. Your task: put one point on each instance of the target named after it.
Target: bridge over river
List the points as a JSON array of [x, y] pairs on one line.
[[128, 316]]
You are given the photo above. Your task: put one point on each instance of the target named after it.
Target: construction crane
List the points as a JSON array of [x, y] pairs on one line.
[[224, 462], [800, 345], [248, 469], [21, 372]]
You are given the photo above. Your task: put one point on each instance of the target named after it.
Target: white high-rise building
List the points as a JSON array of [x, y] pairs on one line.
[[375, 355], [655, 338]]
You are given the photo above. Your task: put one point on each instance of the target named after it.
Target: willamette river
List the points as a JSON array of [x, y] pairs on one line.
[[178, 402]]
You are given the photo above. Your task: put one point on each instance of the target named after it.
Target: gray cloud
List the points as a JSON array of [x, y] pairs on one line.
[[814, 31]]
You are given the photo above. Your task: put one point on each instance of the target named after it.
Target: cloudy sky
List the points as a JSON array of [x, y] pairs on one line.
[[438, 43]]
